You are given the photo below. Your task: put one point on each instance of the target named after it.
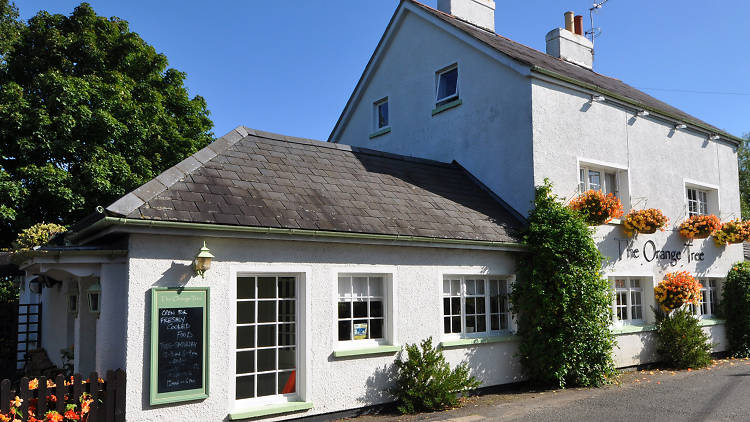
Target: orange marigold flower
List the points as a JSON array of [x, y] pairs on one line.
[[53, 416]]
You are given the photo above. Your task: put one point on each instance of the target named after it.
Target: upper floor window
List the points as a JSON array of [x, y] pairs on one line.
[[697, 201], [380, 114], [447, 85], [598, 179], [628, 303], [475, 305]]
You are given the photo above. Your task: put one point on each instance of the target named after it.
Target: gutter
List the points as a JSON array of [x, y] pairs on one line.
[[119, 221], [635, 104]]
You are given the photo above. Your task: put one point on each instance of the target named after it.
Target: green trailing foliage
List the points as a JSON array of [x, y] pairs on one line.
[[736, 309], [562, 302], [425, 382], [88, 112], [680, 341]]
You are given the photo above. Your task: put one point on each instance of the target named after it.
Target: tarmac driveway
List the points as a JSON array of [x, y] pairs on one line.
[[718, 393]]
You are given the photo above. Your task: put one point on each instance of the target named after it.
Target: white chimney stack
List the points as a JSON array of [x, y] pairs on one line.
[[569, 44], [477, 12]]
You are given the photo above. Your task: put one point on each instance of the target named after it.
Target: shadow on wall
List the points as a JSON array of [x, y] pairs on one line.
[[378, 386], [177, 275]]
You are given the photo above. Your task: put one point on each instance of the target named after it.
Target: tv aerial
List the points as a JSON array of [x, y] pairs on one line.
[[594, 32]]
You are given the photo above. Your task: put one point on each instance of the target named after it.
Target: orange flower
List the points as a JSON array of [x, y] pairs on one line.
[[596, 207], [676, 290], [72, 415], [53, 416], [33, 384], [4, 418], [16, 402]]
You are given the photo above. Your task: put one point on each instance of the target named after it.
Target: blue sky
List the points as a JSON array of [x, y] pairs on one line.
[[289, 66]]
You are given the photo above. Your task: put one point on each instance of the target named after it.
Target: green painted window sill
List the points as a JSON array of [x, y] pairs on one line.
[[630, 329], [380, 132], [711, 321], [271, 409], [378, 350], [447, 106], [478, 340]]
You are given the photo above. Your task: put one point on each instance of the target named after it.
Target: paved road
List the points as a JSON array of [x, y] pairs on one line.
[[719, 393]]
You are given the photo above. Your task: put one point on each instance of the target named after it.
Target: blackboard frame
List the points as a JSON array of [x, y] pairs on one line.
[[198, 296]]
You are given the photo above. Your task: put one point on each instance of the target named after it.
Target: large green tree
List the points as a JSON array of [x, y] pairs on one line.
[[88, 111], [743, 155]]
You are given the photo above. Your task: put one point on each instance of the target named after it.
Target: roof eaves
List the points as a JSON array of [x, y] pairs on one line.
[[131, 201], [635, 103]]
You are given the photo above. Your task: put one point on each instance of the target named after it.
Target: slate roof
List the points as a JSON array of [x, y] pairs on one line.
[[255, 178], [536, 58]]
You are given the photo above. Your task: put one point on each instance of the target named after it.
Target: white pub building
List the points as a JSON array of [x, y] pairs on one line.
[[327, 257]]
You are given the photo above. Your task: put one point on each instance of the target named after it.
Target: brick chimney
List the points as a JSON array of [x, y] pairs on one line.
[[569, 44], [480, 13]]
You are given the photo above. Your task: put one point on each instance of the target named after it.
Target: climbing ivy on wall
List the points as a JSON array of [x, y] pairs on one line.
[[562, 302]]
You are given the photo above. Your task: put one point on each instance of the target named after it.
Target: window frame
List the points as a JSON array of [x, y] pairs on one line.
[[712, 197], [387, 290], [376, 114], [700, 199], [629, 290], [510, 320], [711, 303], [302, 294], [584, 179], [450, 98]]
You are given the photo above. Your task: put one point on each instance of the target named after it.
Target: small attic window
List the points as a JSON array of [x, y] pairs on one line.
[[381, 114], [447, 85]]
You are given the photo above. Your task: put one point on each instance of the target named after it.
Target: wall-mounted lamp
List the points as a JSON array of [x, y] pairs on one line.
[[643, 113], [713, 138], [202, 261], [597, 98], [94, 293], [680, 126], [73, 298]]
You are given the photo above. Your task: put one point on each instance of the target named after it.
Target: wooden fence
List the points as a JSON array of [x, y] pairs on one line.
[[108, 403]]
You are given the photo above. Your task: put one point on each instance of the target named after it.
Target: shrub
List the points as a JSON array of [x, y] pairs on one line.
[[677, 289], [736, 231], [644, 221], [681, 342], [736, 309], [596, 207], [425, 382], [562, 302], [38, 235], [700, 226]]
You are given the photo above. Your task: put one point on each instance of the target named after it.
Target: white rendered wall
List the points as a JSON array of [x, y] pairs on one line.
[[489, 134], [111, 326], [568, 127], [54, 321], [334, 384]]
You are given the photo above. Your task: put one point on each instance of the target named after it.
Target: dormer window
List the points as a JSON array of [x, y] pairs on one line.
[[447, 86]]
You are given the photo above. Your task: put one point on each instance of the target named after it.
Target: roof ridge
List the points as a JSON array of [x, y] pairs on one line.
[[144, 193], [343, 147]]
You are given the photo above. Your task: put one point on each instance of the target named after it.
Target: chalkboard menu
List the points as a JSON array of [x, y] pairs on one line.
[[179, 344]]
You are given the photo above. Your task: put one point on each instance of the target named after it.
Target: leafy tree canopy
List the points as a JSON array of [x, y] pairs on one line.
[[88, 112]]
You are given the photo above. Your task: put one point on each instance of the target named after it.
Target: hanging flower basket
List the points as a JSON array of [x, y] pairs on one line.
[[596, 207], [644, 221], [736, 231], [677, 289], [700, 226]]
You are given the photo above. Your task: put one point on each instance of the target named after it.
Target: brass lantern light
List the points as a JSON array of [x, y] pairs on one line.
[[94, 293], [202, 261]]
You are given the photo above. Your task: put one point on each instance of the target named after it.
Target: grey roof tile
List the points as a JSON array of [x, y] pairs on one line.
[[365, 191]]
